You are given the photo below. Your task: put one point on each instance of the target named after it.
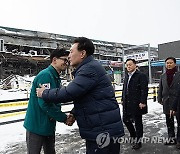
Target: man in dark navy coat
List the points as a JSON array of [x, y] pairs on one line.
[[95, 107], [134, 99]]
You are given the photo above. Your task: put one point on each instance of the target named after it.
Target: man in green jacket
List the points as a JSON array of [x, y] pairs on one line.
[[41, 117]]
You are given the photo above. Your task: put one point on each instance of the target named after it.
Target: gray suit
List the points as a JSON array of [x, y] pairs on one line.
[[167, 94]]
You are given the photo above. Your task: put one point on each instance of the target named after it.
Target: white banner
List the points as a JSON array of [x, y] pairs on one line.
[[137, 56]]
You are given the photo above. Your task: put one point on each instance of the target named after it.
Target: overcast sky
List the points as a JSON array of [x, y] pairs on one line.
[[124, 21]]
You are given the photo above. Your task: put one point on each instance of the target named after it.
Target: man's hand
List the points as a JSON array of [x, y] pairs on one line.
[[141, 105], [171, 113], [39, 91], [70, 120]]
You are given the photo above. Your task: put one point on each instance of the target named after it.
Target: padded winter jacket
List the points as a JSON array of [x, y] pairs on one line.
[[95, 107]]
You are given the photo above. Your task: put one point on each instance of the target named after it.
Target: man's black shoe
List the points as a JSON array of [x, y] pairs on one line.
[[136, 146], [178, 145]]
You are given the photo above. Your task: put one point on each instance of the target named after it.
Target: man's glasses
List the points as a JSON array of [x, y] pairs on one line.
[[65, 60]]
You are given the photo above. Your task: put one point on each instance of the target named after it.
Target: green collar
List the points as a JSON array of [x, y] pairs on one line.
[[53, 71]]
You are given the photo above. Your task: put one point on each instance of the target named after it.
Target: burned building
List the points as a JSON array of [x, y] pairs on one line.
[[26, 52]]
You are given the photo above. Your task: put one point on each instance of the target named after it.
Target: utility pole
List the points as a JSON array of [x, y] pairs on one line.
[[149, 64], [120, 46], [123, 76]]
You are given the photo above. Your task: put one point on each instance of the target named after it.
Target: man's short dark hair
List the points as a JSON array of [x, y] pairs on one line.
[[85, 44], [58, 53], [133, 60], [172, 58]]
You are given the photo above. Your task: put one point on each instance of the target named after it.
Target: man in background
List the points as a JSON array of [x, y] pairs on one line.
[[176, 111], [134, 100], [168, 85], [40, 120]]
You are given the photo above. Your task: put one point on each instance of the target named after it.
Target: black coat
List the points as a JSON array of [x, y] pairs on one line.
[[95, 106], [167, 94], [137, 93], [176, 103]]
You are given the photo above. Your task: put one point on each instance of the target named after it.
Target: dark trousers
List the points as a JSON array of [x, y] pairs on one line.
[[178, 129], [171, 128], [137, 130], [111, 148], [170, 125], [36, 142]]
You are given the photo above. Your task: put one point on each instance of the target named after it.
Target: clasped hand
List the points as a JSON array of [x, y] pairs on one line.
[[70, 120]]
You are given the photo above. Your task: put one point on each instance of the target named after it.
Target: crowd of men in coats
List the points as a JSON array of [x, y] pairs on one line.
[[135, 91]]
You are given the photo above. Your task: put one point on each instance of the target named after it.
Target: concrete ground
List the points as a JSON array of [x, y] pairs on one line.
[[72, 143], [154, 133]]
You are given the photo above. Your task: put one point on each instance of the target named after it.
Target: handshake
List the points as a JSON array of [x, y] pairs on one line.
[[70, 120]]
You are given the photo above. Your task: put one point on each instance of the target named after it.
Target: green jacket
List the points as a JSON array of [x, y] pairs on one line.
[[41, 117]]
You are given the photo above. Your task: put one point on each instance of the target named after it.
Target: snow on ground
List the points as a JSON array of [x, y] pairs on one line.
[[67, 138], [11, 133], [156, 110], [13, 94], [14, 133]]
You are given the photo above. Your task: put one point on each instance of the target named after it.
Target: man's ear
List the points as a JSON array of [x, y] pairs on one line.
[[54, 59], [83, 54]]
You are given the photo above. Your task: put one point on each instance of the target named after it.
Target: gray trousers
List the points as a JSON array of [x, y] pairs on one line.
[[35, 143]]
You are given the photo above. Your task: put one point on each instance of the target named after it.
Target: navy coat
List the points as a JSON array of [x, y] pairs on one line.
[[95, 106], [137, 93]]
